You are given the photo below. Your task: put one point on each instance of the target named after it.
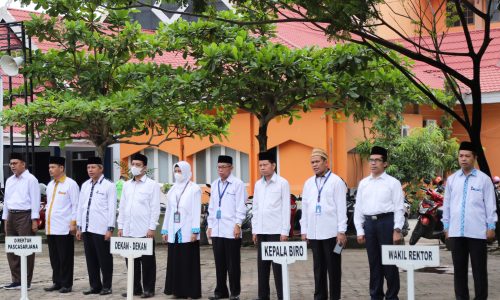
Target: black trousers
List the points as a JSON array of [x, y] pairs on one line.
[[99, 260], [377, 233], [62, 257], [19, 224], [324, 261], [264, 269], [146, 264], [462, 249], [227, 261]]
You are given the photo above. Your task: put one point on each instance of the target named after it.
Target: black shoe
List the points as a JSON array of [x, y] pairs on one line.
[[147, 295], [91, 291], [65, 290], [234, 297], [105, 292], [138, 293], [52, 288]]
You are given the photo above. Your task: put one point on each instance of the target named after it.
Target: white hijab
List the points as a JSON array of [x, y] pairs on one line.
[[185, 172]]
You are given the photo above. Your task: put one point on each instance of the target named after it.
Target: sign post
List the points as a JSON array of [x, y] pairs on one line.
[[131, 248], [410, 258], [23, 246], [284, 253]]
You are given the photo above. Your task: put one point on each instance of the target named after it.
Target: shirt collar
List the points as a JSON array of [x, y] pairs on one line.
[[273, 178], [100, 180], [473, 172], [23, 174], [229, 179], [143, 178], [324, 175], [61, 180], [382, 176]]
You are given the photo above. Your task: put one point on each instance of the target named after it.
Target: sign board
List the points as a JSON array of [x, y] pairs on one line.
[[410, 258], [284, 252], [131, 247], [23, 245], [415, 256]]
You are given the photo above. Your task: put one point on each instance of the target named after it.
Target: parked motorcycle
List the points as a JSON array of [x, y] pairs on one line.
[[429, 225], [295, 215], [496, 182], [351, 205], [1, 212], [43, 204]]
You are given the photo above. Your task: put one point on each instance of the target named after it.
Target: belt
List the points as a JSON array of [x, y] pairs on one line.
[[19, 211], [379, 216]]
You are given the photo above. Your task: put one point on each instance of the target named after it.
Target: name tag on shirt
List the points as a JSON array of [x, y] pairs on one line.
[[318, 209], [218, 215], [177, 217], [61, 193]]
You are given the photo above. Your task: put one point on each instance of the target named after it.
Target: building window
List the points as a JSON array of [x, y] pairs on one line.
[[161, 164], [495, 12], [453, 18], [405, 130], [205, 162]]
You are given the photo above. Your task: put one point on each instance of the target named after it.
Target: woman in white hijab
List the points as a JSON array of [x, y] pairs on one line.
[[181, 230]]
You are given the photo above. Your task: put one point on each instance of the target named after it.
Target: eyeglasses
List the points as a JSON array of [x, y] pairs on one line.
[[375, 160], [223, 167]]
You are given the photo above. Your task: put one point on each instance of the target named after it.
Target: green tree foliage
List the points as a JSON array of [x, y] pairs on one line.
[[101, 84], [245, 69], [358, 21]]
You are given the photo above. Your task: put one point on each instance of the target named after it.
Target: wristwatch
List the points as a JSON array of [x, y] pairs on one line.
[[398, 230]]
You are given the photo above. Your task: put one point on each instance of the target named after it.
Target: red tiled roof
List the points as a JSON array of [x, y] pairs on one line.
[[299, 35], [455, 42]]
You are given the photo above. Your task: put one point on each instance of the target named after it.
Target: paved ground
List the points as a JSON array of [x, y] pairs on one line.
[[431, 284]]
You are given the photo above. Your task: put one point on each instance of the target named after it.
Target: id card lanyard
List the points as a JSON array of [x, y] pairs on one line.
[[320, 189], [177, 214], [218, 216]]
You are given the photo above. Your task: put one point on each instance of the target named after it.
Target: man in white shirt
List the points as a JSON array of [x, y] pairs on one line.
[[60, 225], [379, 217], [226, 212], [139, 210], [20, 213], [469, 216], [271, 220], [95, 225], [324, 223]]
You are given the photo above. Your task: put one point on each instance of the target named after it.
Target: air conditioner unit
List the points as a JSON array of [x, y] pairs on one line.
[[405, 130], [430, 122]]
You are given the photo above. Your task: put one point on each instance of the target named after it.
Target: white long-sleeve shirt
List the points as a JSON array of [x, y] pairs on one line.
[[62, 205], [189, 208], [333, 216], [97, 206], [22, 193], [379, 195], [139, 208], [228, 197], [271, 206], [469, 207]]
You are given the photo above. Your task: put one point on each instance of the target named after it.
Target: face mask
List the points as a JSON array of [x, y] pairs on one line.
[[178, 177], [135, 170]]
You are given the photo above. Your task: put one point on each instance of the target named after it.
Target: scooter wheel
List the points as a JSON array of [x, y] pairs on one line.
[[417, 234]]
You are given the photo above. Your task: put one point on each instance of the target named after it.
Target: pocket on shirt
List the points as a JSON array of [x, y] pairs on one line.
[[144, 196]]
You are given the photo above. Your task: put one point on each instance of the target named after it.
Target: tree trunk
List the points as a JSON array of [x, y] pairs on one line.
[[475, 130], [262, 136], [101, 150]]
